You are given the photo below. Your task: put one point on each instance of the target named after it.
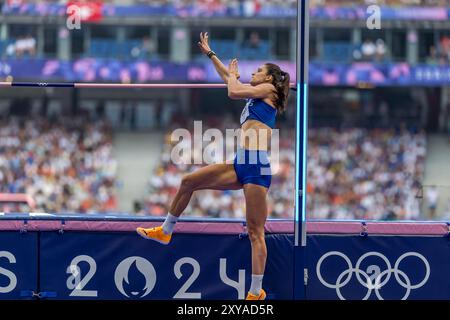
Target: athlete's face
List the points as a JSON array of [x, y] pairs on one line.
[[260, 76]]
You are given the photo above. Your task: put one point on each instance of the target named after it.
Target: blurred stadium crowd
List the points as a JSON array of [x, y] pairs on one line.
[[65, 164], [374, 174], [385, 46], [391, 3], [261, 2], [352, 174], [68, 165]]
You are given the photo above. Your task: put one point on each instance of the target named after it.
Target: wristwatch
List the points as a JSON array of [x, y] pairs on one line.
[[210, 54]]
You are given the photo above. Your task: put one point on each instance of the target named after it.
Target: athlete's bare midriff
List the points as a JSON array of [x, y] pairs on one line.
[[256, 135]]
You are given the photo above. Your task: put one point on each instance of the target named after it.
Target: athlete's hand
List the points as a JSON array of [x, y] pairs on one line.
[[233, 68], [203, 43]]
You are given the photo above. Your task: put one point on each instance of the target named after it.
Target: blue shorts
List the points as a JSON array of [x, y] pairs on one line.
[[253, 166]]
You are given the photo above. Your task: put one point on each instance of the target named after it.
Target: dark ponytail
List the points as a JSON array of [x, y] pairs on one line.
[[281, 81]]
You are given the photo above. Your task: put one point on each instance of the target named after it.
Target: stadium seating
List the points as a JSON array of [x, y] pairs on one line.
[[65, 165], [352, 174]]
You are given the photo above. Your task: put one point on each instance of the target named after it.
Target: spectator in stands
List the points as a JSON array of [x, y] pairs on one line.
[[445, 49], [447, 212], [432, 195], [250, 7], [11, 50], [254, 40], [25, 46], [432, 59], [145, 50], [380, 52], [148, 47], [137, 208], [211, 7], [368, 50], [371, 51]]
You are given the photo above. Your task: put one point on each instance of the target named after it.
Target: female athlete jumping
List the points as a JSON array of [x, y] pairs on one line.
[[250, 171]]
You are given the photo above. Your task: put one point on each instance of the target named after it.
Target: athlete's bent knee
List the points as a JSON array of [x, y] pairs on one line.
[[188, 183]]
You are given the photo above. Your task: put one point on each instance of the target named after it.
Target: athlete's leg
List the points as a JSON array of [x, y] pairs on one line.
[[256, 214], [215, 176]]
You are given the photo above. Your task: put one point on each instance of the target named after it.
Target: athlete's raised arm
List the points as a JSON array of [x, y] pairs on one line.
[[237, 90], [205, 48]]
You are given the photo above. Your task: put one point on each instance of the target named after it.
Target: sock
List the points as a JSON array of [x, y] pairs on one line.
[[256, 285], [169, 223]]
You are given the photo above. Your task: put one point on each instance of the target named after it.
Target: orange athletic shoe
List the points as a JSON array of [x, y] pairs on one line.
[[157, 234], [261, 296]]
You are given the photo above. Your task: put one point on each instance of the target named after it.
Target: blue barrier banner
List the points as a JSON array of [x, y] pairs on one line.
[[389, 268], [113, 266], [320, 73], [18, 265], [233, 10], [108, 70]]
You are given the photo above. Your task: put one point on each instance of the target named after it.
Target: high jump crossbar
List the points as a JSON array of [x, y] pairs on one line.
[[118, 85]]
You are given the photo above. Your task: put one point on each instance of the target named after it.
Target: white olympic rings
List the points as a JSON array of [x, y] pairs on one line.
[[375, 281]]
